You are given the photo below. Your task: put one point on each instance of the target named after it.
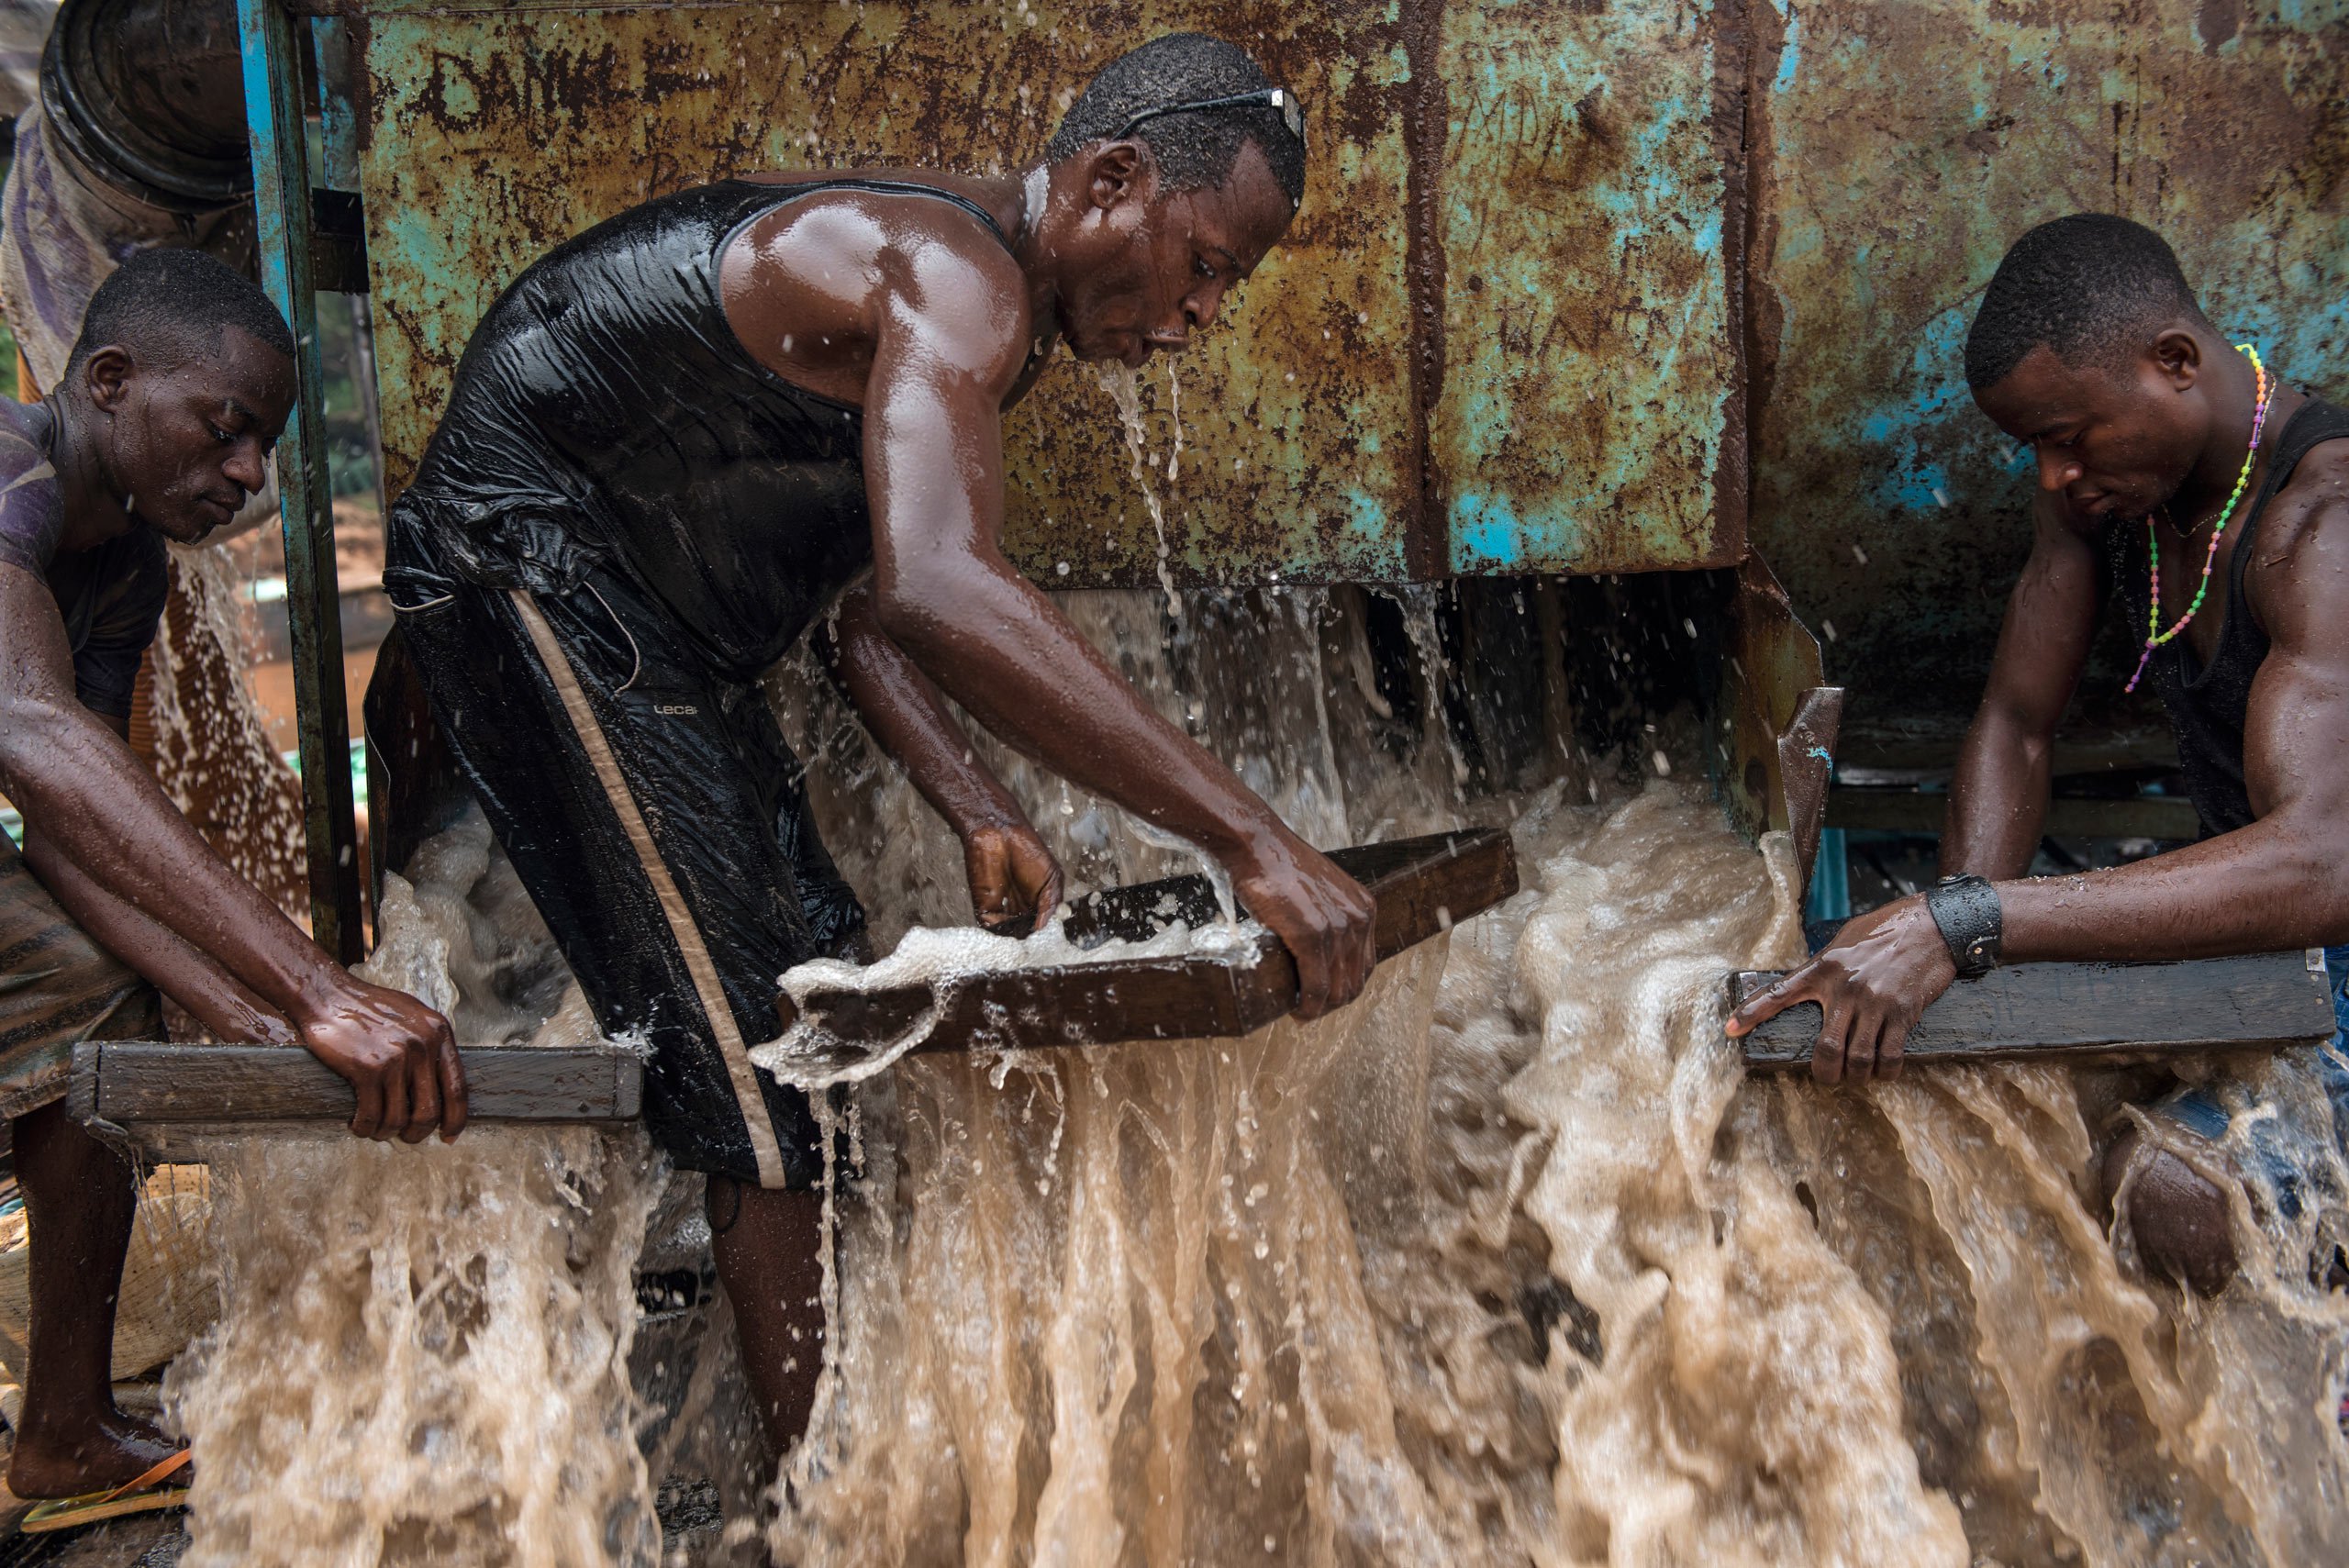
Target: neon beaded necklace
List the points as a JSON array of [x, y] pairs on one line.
[[2155, 635]]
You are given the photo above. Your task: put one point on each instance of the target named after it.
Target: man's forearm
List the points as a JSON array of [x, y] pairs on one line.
[[1997, 799], [997, 645], [178, 970], [99, 810], [907, 715], [2264, 888]]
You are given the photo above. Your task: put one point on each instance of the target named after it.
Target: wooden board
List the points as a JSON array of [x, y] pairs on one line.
[[2088, 1012], [1422, 887], [134, 1083]]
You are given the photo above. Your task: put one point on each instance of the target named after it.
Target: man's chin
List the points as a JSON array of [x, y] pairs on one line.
[[185, 530]]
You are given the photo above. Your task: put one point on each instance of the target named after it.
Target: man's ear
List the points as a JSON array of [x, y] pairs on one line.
[[2178, 353], [106, 377], [1118, 170]]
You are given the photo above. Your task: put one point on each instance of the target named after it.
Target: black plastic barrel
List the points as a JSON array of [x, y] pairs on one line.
[[151, 96]]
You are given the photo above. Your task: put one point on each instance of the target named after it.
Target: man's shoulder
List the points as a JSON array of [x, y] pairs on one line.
[[2313, 501], [2300, 561]]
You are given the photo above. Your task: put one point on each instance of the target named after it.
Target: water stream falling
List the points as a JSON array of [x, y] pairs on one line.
[[1510, 1263], [1123, 384]]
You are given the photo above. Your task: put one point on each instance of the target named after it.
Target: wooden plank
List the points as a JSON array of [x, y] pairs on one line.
[[132, 1083], [1421, 886], [2088, 1012], [2162, 818]]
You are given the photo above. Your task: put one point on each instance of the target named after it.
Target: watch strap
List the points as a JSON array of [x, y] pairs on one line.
[[1967, 911]]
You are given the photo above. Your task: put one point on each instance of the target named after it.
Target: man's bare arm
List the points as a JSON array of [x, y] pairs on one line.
[[97, 807], [1012, 873], [948, 345], [2277, 883], [210, 993], [1999, 798], [2273, 884]]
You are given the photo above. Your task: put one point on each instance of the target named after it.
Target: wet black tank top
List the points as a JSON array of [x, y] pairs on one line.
[[606, 416], [2207, 704]]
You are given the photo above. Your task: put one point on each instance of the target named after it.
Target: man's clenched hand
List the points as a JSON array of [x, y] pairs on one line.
[[1871, 984], [399, 1056]]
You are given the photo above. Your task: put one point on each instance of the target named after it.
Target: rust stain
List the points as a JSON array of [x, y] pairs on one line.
[[1899, 146], [1425, 109], [1332, 425]]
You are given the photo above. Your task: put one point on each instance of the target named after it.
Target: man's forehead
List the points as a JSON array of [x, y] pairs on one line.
[[1246, 217], [2043, 386]]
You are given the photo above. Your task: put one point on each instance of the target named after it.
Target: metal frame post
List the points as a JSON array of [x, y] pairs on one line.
[[275, 116]]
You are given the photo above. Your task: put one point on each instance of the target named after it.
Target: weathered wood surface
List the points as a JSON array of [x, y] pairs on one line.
[[132, 1083], [2086, 1012], [1421, 885]]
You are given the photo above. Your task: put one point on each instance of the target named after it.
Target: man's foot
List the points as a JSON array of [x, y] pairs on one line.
[[2178, 1217], [122, 1448]]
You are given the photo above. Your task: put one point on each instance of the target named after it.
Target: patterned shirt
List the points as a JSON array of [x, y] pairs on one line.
[[110, 595]]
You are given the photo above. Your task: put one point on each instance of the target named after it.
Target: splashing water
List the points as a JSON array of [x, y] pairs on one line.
[[212, 755], [423, 1353], [1508, 1263], [1511, 1263]]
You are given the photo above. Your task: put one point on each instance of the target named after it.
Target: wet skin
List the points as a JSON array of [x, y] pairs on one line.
[[907, 308], [2162, 435], [184, 440]]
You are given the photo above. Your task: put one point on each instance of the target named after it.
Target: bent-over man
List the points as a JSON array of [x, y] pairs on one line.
[[160, 429], [676, 442], [2186, 484]]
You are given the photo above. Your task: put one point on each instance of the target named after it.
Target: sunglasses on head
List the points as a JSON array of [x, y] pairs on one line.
[[1278, 99]]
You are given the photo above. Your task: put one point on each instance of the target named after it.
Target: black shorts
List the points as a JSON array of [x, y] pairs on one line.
[[661, 824]]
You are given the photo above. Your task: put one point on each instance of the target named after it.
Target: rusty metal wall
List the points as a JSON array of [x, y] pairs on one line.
[[1503, 337], [1899, 147]]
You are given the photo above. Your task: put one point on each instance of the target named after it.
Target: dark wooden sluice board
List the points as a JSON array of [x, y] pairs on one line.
[[1421, 886], [131, 1083], [2086, 1012]]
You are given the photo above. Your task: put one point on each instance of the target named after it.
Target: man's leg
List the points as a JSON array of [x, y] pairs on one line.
[[655, 814], [80, 1197], [769, 1245]]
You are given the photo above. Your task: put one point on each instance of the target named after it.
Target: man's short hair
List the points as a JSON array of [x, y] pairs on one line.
[[174, 304], [1194, 151], [2091, 287]]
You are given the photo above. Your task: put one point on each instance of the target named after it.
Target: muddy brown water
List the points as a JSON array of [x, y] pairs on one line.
[[1508, 1263]]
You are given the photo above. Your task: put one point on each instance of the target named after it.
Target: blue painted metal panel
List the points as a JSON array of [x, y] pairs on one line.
[[274, 108]]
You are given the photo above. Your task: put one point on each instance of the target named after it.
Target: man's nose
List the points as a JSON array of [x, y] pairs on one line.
[[1199, 310], [249, 466]]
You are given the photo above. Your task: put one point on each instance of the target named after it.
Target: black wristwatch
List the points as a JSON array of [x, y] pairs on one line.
[[1966, 910]]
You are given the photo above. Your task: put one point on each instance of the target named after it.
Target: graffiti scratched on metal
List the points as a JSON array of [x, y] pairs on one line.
[[1900, 146], [1500, 339]]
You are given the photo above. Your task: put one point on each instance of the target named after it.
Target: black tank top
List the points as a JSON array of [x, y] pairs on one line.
[[2206, 705], [606, 416]]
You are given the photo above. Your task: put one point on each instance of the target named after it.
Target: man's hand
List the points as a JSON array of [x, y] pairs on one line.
[[1319, 912], [397, 1054], [1014, 881], [1871, 984]]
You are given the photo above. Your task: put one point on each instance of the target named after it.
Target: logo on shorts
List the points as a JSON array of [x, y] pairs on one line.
[[673, 708]]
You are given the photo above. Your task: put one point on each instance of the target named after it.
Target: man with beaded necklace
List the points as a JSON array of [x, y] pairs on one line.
[[2182, 477]]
